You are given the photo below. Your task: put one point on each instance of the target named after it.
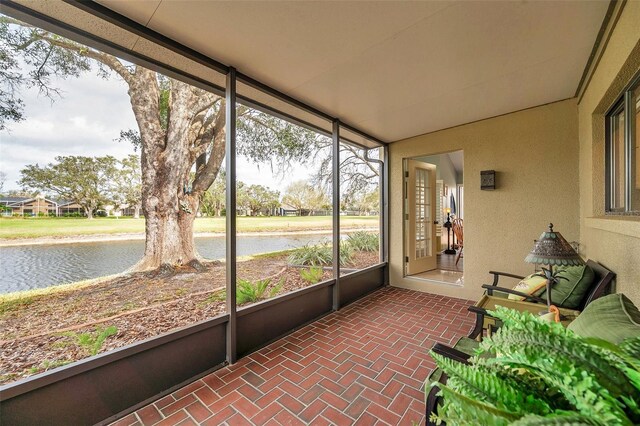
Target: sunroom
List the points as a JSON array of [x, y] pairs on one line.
[[504, 116]]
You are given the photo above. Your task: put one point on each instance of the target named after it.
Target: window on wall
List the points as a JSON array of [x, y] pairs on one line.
[[623, 154]]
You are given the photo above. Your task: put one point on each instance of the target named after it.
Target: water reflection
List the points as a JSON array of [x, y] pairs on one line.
[[29, 267]]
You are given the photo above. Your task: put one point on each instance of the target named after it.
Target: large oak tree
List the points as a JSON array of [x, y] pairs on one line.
[[180, 127]]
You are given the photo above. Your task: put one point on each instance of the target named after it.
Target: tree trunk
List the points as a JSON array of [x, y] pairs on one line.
[[169, 229], [89, 212], [167, 156], [169, 212], [136, 212]]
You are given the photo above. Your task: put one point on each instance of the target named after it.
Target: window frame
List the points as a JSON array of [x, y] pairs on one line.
[[624, 105]]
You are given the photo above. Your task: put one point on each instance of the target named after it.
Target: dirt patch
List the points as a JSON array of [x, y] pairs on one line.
[[43, 332]]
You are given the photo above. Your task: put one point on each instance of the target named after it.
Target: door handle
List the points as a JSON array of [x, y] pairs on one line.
[[435, 222]]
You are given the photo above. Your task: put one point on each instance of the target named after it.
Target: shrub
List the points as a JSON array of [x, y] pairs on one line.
[[346, 253], [313, 275], [320, 254], [539, 373], [312, 255], [364, 241], [249, 292]]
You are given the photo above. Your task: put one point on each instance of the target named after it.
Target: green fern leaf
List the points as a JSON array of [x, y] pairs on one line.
[[569, 419], [631, 348], [483, 385], [529, 383], [458, 409], [552, 352], [587, 378]]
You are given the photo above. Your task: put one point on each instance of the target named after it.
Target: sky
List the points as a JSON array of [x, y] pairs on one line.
[[87, 121]]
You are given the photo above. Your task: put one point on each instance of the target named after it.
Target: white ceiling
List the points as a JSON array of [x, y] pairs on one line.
[[393, 69]]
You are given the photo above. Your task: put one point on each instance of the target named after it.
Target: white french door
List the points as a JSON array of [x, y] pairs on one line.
[[420, 217]]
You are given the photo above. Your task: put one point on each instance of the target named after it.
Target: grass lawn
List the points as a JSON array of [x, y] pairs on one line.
[[61, 227]]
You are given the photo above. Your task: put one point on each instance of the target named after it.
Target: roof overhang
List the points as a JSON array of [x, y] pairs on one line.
[[391, 69]]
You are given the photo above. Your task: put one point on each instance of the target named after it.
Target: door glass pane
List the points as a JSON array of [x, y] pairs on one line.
[[423, 213], [618, 168], [428, 187]]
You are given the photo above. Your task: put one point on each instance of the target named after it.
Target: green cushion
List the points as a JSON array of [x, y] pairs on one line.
[[570, 291], [613, 318]]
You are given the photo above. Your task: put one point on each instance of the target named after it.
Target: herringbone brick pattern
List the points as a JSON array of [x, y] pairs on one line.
[[363, 365]]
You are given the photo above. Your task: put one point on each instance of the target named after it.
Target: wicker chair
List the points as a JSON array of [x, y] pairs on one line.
[[458, 231]]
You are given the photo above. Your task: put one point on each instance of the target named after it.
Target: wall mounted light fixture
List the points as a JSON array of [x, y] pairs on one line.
[[488, 180]]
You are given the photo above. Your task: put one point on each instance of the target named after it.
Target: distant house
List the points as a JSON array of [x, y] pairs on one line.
[[38, 206], [287, 210], [69, 207], [28, 206], [120, 210]]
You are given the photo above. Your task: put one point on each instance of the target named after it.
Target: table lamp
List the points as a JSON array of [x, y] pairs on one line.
[[552, 249]]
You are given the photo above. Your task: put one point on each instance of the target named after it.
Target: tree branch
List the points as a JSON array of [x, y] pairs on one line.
[[104, 58], [205, 176]]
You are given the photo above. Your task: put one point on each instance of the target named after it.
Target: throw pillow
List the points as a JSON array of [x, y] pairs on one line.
[[613, 318], [572, 286], [529, 285]]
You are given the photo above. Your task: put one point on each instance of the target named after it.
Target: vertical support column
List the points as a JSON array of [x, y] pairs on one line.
[[336, 214], [230, 165], [384, 202], [629, 119]]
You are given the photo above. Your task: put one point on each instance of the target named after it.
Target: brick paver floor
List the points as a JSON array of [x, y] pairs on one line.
[[363, 365]]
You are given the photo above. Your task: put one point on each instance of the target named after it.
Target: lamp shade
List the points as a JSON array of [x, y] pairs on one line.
[[552, 249]]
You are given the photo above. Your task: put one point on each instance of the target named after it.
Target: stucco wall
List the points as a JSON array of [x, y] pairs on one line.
[[535, 154], [615, 242]]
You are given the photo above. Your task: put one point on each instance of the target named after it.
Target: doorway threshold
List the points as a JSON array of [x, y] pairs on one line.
[[440, 276]]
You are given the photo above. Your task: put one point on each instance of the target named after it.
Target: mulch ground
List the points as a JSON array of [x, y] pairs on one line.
[[45, 332]]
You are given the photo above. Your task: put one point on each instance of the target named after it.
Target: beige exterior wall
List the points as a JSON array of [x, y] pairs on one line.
[[535, 155], [615, 242]]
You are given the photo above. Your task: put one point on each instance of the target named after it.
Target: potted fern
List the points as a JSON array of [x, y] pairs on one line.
[[534, 372]]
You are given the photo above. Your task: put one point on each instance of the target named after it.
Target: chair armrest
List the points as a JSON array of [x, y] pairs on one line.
[[479, 311], [451, 353], [506, 274], [481, 314], [497, 275], [527, 297], [479, 325]]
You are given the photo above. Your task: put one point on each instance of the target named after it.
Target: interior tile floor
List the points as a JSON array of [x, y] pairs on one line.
[[363, 365], [441, 276], [446, 271], [448, 262]]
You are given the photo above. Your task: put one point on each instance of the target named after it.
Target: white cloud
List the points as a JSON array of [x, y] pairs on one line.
[[85, 121]]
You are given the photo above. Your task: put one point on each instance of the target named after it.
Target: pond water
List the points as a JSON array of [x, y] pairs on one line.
[[39, 266]]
